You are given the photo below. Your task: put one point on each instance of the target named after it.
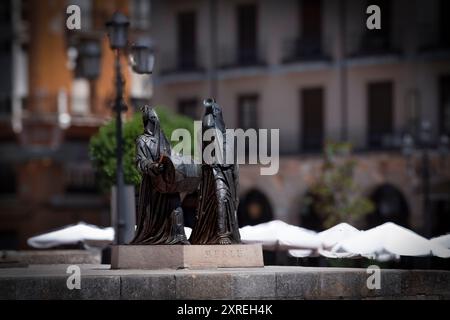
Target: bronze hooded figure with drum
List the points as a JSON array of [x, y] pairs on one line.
[[165, 179]]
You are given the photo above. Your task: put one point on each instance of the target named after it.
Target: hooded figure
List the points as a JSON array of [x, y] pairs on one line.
[[159, 215], [216, 219]]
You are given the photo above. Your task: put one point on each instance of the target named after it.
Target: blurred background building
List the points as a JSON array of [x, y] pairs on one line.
[[310, 68], [48, 113]]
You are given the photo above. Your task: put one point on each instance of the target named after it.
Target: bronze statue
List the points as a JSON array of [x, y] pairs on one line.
[[216, 218], [159, 212]]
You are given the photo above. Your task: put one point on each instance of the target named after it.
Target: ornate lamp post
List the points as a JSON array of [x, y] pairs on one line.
[[118, 38], [87, 65], [142, 61], [142, 56], [422, 145]]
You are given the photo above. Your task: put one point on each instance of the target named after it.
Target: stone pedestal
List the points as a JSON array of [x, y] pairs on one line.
[[190, 256]]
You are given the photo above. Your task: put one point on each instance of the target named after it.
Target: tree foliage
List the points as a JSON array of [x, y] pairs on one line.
[[336, 197], [102, 146]]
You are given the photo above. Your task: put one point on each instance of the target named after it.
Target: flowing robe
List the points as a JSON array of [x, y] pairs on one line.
[[216, 218], [217, 209], [159, 215]]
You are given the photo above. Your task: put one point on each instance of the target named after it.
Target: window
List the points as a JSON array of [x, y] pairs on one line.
[[6, 37], [80, 96], [380, 113], [310, 44], [312, 119], [8, 184], [248, 119], [187, 40], [188, 107], [5, 105], [247, 20], [248, 112], [311, 21], [444, 107], [9, 240], [140, 14], [378, 40], [444, 22], [80, 178]]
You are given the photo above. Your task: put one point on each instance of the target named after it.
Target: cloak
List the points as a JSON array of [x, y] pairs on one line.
[[216, 217], [159, 215]]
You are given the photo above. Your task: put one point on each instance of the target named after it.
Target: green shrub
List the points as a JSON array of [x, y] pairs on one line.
[[102, 146], [335, 197]]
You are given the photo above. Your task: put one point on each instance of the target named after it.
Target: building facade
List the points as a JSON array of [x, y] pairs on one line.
[[315, 71], [48, 114]]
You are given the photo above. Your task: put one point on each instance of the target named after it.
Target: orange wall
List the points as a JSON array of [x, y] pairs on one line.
[[48, 71]]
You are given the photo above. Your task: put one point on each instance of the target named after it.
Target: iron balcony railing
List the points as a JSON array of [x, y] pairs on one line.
[[304, 49], [238, 57], [172, 62]]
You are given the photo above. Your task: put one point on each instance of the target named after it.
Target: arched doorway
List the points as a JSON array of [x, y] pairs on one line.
[[390, 206], [440, 208], [254, 208]]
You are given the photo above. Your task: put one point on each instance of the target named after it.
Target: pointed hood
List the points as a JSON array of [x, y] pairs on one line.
[[152, 127]]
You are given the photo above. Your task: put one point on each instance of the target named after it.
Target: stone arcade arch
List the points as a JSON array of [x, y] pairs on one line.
[[390, 206], [254, 208]]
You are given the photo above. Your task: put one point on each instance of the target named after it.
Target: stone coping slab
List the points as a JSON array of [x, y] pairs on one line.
[[270, 282]]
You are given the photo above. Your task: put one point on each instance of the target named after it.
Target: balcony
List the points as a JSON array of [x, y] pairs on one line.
[[433, 45], [232, 57], [303, 50], [375, 43], [172, 62]]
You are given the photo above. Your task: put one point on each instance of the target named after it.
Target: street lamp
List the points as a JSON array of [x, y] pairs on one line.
[[142, 60], [142, 56], [117, 29], [423, 145], [85, 50]]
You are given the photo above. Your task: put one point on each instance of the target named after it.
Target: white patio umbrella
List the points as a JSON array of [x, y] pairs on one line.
[[384, 242], [80, 232], [390, 240], [280, 235], [443, 240], [330, 238]]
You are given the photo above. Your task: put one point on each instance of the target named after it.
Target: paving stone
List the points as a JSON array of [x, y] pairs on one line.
[[7, 289], [148, 287], [100, 288], [297, 285], [340, 284], [203, 286], [254, 285], [417, 282]]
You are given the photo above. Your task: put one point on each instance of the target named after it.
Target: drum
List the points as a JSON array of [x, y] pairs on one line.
[[180, 174]]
